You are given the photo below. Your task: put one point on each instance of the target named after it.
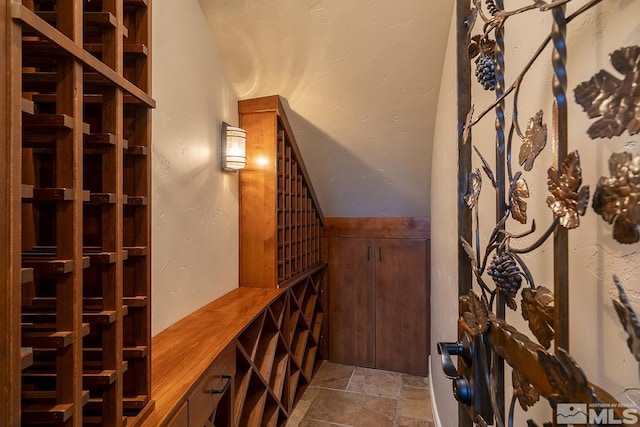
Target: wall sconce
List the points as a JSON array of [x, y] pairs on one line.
[[234, 141]]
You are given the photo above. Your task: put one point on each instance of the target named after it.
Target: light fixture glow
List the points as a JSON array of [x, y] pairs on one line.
[[233, 148], [262, 161]]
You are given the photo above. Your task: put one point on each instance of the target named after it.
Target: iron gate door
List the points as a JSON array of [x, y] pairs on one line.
[[530, 203]]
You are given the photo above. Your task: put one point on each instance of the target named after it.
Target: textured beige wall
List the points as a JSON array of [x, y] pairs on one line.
[[444, 228], [597, 340], [361, 79], [195, 205]]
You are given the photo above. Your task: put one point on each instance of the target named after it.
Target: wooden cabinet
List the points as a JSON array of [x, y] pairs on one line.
[[379, 301], [402, 310], [76, 220], [266, 340], [352, 301], [210, 400], [280, 218]]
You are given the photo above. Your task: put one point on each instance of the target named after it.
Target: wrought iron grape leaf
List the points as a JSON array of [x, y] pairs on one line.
[[629, 320], [617, 198], [616, 101], [466, 133], [568, 199], [535, 139], [475, 313], [537, 309], [474, 186], [481, 44], [470, 253], [568, 381], [524, 391], [518, 191]]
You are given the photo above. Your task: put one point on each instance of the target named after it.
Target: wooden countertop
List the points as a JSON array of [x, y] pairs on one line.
[[182, 353]]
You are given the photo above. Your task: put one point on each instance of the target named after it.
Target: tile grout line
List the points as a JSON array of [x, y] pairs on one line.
[[398, 395], [353, 372], [330, 423]]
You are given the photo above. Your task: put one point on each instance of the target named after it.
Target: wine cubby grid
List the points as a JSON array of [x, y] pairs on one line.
[[82, 80]]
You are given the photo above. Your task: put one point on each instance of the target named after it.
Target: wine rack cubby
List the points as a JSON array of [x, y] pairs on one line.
[[77, 272]]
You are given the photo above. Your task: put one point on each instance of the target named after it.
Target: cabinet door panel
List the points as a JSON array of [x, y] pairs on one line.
[[402, 309], [351, 302]]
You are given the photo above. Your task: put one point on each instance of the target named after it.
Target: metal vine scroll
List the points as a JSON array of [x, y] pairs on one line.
[[502, 281]]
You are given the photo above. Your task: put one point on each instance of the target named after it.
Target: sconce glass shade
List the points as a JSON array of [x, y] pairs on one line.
[[234, 141]]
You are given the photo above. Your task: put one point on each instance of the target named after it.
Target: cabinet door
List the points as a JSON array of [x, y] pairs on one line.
[[351, 302], [402, 309]]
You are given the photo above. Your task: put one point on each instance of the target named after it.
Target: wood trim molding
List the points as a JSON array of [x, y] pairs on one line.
[[378, 227]]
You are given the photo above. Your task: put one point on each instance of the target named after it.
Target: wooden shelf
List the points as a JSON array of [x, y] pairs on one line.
[[100, 19], [136, 201], [266, 350], [137, 251], [26, 191], [52, 195], [48, 395], [46, 140], [97, 317], [46, 413], [26, 275], [136, 151], [26, 357], [27, 106], [243, 376], [138, 301], [98, 378], [43, 265], [104, 198], [253, 407], [279, 372], [249, 338], [103, 139], [128, 403], [135, 352], [103, 257], [47, 339]]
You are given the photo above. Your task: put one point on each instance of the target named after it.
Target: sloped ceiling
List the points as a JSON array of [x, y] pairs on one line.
[[361, 80]]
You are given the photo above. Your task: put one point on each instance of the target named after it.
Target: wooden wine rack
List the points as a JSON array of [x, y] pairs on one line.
[[280, 217], [277, 355], [76, 323], [273, 338]]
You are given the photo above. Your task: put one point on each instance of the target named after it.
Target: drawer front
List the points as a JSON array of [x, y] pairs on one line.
[[181, 418], [208, 391]]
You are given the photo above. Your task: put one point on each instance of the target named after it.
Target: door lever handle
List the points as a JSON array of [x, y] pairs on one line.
[[462, 388], [462, 348], [445, 349]]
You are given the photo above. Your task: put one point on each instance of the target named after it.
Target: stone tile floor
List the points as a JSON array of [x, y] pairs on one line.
[[344, 395]]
